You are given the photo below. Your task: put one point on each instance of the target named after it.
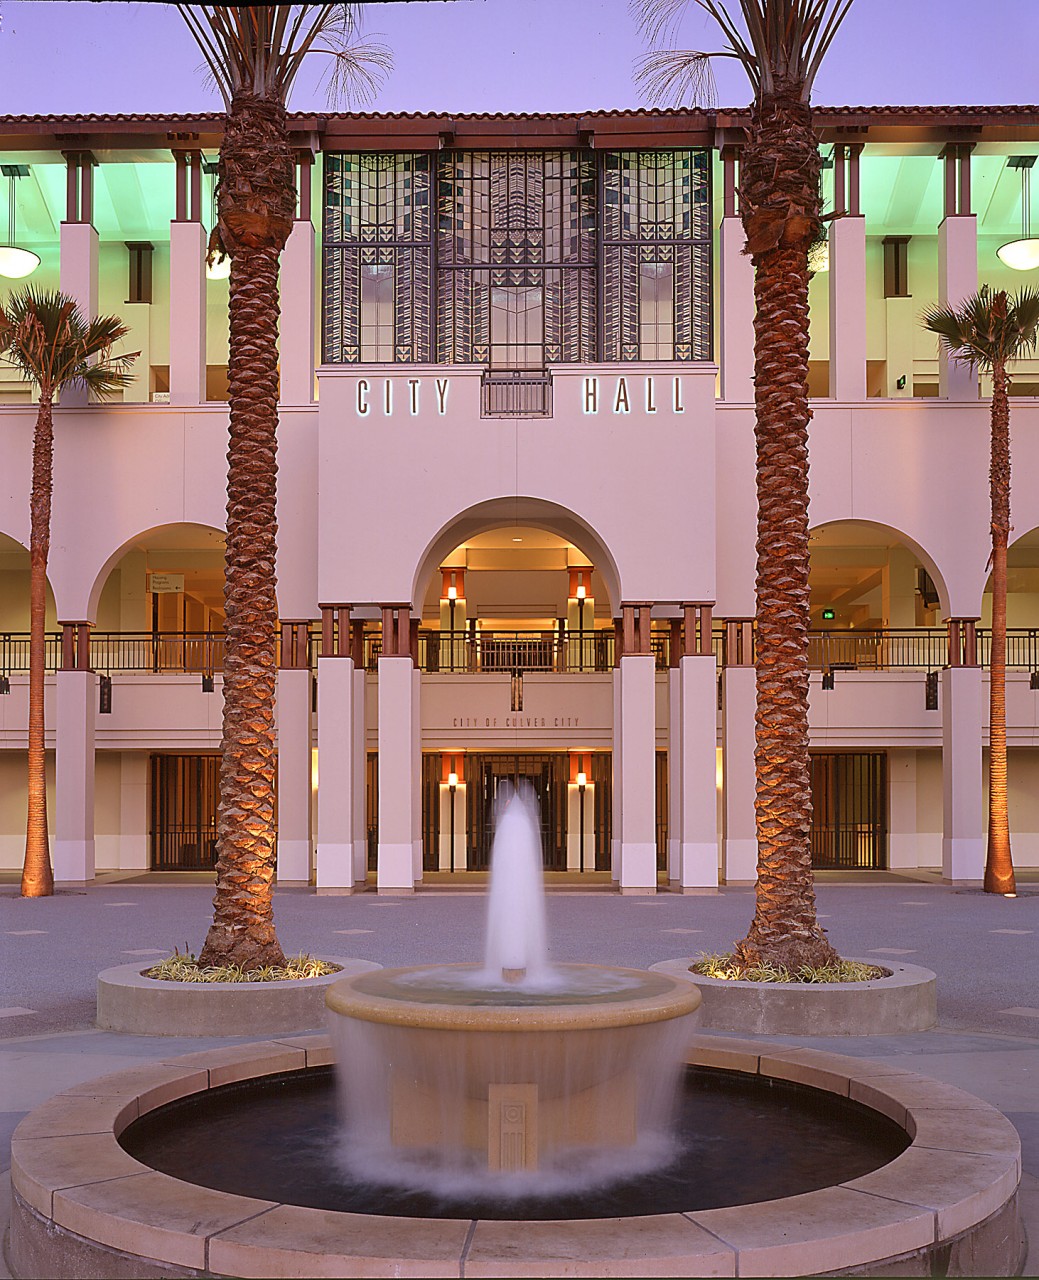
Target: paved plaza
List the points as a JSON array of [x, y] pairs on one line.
[[984, 950]]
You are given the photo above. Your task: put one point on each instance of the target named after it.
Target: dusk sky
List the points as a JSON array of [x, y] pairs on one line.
[[515, 55]]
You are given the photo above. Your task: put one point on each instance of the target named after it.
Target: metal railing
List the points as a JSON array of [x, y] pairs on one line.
[[516, 393], [909, 649]]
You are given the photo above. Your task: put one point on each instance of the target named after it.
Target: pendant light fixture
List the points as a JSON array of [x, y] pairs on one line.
[[1022, 254], [15, 263], [220, 270]]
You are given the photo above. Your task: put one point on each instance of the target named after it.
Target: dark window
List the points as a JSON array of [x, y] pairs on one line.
[[849, 810]]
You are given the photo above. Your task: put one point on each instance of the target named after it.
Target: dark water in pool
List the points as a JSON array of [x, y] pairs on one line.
[[743, 1139]]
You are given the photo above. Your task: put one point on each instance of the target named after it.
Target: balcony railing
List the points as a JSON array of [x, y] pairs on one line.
[[516, 393], [919, 649]]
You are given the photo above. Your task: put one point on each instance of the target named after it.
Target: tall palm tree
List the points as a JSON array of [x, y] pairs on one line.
[[987, 331], [254, 53], [46, 337], [780, 44]]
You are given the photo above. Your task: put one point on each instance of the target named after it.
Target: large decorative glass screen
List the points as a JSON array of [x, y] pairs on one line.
[[656, 271], [377, 304], [516, 258]]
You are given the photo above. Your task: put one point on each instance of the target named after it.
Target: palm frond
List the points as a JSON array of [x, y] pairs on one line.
[[45, 336], [259, 49], [657, 20], [670, 78], [989, 327]]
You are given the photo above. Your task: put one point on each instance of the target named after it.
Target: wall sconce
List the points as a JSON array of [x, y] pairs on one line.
[[452, 782], [5, 684], [452, 593], [931, 692], [517, 691], [828, 679], [581, 591], [1033, 682], [104, 700], [582, 780], [208, 684]]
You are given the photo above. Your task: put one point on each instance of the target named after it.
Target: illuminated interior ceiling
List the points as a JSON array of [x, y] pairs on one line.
[[194, 550], [848, 564], [516, 578], [902, 188], [1022, 565]]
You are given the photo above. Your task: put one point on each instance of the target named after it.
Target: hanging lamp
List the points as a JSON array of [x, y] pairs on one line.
[[15, 263], [1022, 254]]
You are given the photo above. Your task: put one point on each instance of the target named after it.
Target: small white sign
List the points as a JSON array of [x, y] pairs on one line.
[[162, 584]]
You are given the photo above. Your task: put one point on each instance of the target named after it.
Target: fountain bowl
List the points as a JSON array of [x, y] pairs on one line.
[[445, 1070]]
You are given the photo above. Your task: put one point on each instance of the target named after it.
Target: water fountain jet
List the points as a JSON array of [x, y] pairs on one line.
[[517, 1069]]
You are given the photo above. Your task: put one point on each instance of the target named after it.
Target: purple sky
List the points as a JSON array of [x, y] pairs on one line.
[[516, 55]]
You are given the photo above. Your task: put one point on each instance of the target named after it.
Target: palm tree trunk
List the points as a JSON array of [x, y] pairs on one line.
[[37, 875], [255, 151], [999, 865], [780, 198]]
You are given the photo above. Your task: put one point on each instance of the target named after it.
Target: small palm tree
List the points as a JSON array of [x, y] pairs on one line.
[[46, 337], [780, 44], [987, 331], [254, 53]]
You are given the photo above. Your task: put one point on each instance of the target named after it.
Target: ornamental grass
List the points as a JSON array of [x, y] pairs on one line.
[[728, 967], [183, 967]]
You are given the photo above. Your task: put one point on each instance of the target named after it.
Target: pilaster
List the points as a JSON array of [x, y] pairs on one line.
[[76, 707], [293, 712]]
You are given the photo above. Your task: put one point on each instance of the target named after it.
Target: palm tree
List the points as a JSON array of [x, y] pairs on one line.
[[254, 53], [46, 337], [780, 45], [986, 331]]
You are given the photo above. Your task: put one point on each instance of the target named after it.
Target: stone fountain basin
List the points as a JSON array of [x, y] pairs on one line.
[[83, 1206]]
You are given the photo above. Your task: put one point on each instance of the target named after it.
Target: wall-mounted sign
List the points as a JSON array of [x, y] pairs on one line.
[[652, 393], [377, 395], [622, 395], [164, 584], [515, 722]]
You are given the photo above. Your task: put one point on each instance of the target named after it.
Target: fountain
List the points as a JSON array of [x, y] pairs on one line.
[[534, 1075]]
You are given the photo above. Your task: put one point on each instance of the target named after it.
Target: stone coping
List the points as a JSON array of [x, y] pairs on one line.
[[82, 1205], [905, 1001], [385, 1000], [129, 1002]]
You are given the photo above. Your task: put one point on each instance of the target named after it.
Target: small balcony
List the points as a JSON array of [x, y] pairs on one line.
[[516, 393]]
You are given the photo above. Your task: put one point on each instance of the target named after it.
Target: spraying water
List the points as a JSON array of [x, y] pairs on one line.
[[516, 950]]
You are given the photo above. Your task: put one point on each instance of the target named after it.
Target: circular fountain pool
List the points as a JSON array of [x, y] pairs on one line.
[[739, 1139]]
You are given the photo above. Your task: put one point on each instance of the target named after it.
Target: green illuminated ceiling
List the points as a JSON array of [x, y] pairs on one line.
[[901, 193]]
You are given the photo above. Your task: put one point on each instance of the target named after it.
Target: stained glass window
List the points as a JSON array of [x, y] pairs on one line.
[[516, 258], [377, 258], [656, 255]]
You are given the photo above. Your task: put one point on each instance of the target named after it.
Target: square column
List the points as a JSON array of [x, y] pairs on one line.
[[615, 791], [294, 778], [963, 826], [736, 328], [848, 309], [397, 791], [188, 314], [78, 277], [638, 851], [957, 279], [739, 830], [698, 853], [296, 328], [360, 781], [674, 770], [416, 768], [74, 778], [338, 796]]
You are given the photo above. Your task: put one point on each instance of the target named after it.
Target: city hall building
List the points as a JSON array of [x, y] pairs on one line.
[[517, 498]]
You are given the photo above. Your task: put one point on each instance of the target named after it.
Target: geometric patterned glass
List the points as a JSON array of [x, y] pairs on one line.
[[656, 255], [376, 300]]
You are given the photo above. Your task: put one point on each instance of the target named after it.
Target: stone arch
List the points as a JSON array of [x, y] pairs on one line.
[[537, 513], [890, 532], [209, 534], [14, 597]]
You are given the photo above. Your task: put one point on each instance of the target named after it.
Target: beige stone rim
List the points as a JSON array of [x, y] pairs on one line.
[[72, 1180], [681, 998]]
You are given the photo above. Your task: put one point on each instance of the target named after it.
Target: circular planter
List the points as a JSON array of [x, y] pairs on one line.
[[905, 1001], [83, 1206], [128, 1001]]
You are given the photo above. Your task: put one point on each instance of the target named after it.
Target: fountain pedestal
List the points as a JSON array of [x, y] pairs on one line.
[[508, 1079]]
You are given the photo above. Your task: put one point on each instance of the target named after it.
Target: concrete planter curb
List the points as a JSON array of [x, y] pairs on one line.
[[82, 1206], [906, 1001], [129, 1002]]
